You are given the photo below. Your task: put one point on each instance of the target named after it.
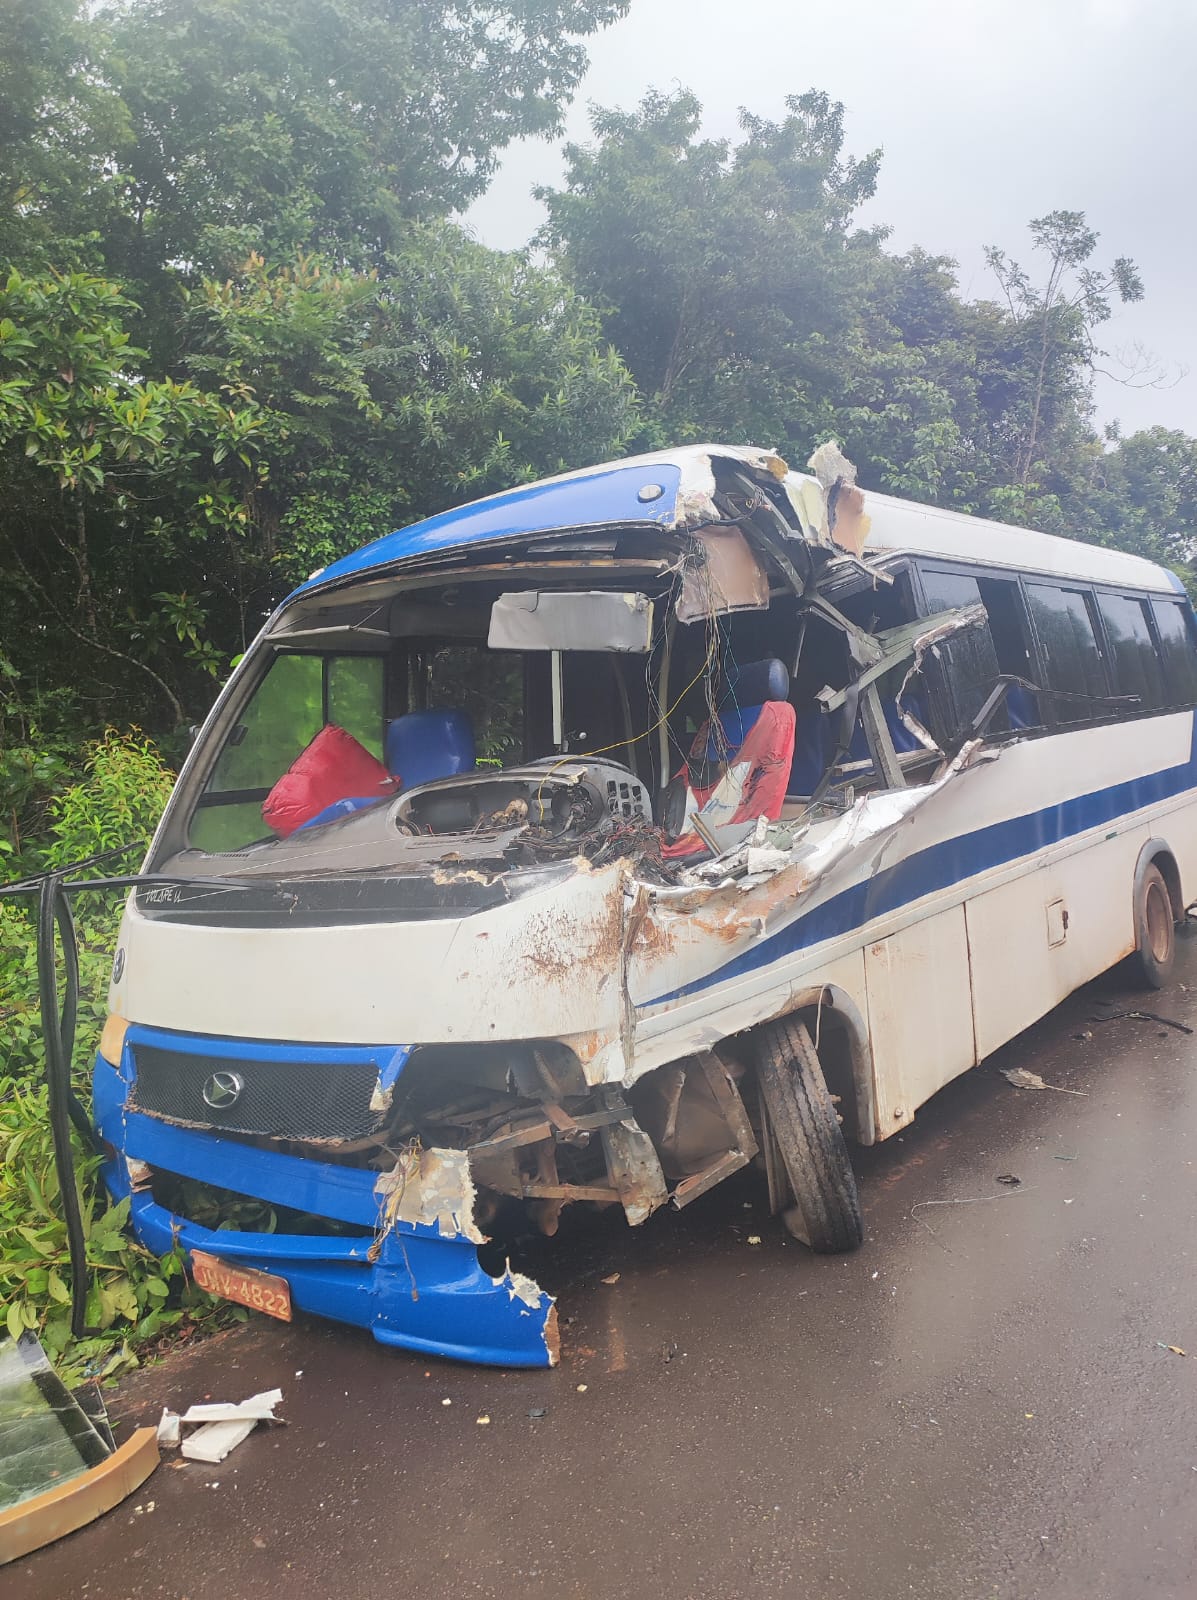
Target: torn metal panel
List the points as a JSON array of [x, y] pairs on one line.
[[388, 1076], [432, 1187], [696, 503], [730, 577], [845, 522], [633, 1164]]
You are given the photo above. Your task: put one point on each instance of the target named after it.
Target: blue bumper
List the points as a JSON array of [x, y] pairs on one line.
[[424, 1292]]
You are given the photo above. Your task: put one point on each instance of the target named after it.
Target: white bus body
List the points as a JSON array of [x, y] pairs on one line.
[[562, 977]]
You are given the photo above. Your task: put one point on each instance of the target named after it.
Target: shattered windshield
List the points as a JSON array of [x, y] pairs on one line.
[[675, 690]]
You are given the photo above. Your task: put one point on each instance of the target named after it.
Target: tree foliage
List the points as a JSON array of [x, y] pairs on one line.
[[238, 335], [240, 332], [749, 303]]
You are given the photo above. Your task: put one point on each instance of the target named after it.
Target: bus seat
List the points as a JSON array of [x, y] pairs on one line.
[[812, 750], [814, 735], [425, 745], [743, 765]]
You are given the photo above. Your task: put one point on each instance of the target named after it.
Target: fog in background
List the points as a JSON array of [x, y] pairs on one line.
[[990, 112]]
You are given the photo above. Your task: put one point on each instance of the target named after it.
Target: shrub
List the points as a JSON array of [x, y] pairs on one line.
[[134, 1298]]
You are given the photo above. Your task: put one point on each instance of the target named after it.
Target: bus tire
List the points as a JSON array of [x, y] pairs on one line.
[[806, 1131], [1155, 931]]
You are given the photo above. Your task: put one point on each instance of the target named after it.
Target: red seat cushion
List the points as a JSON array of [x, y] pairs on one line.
[[334, 767], [766, 753]]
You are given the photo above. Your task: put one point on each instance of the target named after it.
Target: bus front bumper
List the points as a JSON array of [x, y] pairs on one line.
[[409, 1284]]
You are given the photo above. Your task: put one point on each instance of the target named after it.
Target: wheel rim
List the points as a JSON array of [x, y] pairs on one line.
[[1159, 922]]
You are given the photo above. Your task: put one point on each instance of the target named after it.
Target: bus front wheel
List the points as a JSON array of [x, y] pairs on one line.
[[1155, 931], [801, 1121]]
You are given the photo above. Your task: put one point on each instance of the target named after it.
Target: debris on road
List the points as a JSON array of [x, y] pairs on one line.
[[61, 1470], [1010, 1181], [612, 1278], [1144, 1016], [1022, 1079], [170, 1429], [1175, 1348], [222, 1427], [537, 1412], [966, 1200]]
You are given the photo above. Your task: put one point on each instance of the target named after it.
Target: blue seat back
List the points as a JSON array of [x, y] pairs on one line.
[[749, 687], [425, 745], [814, 741]]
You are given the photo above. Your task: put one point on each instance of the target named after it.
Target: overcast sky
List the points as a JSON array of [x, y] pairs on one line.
[[990, 112]]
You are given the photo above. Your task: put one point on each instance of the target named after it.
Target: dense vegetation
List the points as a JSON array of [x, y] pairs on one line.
[[241, 333]]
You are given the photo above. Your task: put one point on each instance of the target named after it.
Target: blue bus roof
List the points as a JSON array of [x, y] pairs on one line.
[[597, 497], [675, 488]]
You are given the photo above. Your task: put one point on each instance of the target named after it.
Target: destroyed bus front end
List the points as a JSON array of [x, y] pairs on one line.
[[503, 877]]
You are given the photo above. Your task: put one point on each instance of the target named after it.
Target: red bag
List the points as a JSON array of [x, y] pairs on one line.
[[333, 767]]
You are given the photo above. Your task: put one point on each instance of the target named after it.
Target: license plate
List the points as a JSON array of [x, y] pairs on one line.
[[260, 1291]]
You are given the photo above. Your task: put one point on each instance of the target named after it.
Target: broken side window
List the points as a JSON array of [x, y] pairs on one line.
[[966, 664], [1071, 655]]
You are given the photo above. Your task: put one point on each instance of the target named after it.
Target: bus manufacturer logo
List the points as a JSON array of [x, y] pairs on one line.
[[223, 1089]]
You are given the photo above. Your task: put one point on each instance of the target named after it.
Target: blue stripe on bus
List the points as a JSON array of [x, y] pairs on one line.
[[950, 862]]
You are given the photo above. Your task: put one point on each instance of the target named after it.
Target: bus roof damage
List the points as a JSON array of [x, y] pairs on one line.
[[585, 932]]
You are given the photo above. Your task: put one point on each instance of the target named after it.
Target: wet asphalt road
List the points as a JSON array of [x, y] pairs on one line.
[[978, 1403]]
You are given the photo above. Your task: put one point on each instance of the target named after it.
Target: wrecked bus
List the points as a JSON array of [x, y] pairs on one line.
[[586, 844]]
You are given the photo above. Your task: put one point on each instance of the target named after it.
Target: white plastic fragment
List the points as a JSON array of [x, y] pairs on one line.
[[224, 1427], [259, 1406], [169, 1430], [214, 1440]]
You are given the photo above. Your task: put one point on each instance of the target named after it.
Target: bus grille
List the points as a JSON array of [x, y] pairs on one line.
[[280, 1099]]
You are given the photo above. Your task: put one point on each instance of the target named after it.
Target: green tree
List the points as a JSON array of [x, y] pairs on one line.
[[62, 128], [385, 397], [712, 269], [1055, 322], [153, 523], [87, 448], [324, 126]]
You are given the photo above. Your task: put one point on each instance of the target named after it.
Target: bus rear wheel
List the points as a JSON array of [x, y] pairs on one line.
[[1155, 931], [802, 1124]]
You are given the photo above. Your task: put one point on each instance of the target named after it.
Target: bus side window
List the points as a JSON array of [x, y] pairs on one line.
[[969, 660], [1008, 627], [1179, 652], [1071, 655], [1134, 660], [488, 685]]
